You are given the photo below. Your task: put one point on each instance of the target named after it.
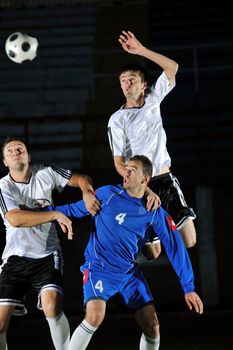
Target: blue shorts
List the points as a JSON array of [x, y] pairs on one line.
[[98, 283]]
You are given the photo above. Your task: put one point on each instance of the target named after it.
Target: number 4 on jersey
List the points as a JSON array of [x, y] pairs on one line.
[[120, 218]]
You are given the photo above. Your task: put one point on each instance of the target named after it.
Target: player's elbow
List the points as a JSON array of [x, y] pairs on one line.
[[13, 219], [176, 67]]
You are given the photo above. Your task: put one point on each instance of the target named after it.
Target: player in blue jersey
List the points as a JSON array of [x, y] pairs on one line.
[[32, 255], [120, 229]]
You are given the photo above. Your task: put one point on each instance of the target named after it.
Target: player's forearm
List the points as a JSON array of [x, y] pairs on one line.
[[24, 218], [84, 182], [119, 165], [164, 62]]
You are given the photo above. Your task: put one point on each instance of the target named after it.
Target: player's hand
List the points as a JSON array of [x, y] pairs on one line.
[[129, 42], [194, 301], [65, 224], [153, 200], [91, 202]]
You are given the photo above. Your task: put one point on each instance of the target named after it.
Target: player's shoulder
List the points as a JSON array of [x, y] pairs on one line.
[[49, 168], [109, 190], [115, 116], [5, 180]]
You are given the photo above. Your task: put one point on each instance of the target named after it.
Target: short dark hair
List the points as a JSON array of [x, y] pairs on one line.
[[13, 138], [136, 68], [146, 164]]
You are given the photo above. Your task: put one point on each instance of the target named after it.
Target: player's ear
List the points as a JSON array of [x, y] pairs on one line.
[[146, 179], [5, 162], [29, 158], [145, 85]]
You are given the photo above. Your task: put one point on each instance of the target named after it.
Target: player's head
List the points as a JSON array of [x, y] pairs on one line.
[[135, 68], [14, 145], [133, 81], [146, 164], [138, 172]]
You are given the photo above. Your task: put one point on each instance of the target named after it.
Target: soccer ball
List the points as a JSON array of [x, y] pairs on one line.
[[21, 47]]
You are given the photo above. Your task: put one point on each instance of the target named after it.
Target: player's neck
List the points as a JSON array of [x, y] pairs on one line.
[[131, 103], [21, 175], [135, 192]]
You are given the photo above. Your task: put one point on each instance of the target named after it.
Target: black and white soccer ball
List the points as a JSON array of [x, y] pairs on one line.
[[21, 47]]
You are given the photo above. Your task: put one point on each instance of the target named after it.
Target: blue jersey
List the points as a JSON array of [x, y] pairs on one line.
[[121, 228]]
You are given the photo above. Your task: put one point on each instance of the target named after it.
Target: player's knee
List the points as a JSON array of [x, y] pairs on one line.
[[51, 309], [155, 254], [190, 242], [95, 318], [152, 251], [152, 329]]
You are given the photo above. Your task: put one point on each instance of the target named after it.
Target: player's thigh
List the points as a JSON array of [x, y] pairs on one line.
[[5, 315], [188, 233]]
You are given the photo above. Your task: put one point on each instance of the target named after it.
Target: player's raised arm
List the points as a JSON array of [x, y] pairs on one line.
[[132, 45]]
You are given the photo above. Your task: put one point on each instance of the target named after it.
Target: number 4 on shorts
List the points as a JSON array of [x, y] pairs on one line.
[[99, 286]]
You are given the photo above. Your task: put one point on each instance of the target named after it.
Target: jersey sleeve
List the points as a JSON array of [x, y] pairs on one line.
[[161, 87], [72, 210], [175, 249], [78, 209], [116, 136], [59, 176], [7, 201]]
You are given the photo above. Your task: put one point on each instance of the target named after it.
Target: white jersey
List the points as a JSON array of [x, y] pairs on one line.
[[38, 241], [140, 130]]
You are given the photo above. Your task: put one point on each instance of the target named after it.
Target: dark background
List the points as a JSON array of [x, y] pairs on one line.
[[61, 102]]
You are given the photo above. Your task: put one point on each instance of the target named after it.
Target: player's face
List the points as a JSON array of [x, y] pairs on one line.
[[15, 155], [133, 177], [132, 85]]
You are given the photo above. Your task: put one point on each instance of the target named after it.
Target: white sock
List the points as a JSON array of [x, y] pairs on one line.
[[147, 343], [3, 344], [82, 336], [60, 331]]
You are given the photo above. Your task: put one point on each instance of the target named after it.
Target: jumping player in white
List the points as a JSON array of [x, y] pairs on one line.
[[137, 128], [32, 255], [120, 230]]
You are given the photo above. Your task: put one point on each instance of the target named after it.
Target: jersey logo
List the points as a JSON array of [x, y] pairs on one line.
[[171, 223], [40, 203], [120, 218]]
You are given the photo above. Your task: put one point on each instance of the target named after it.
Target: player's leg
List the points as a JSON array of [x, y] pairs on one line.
[[95, 312], [47, 279], [51, 302], [5, 315], [188, 233], [147, 319], [13, 287], [172, 198], [152, 248], [136, 296], [98, 287]]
